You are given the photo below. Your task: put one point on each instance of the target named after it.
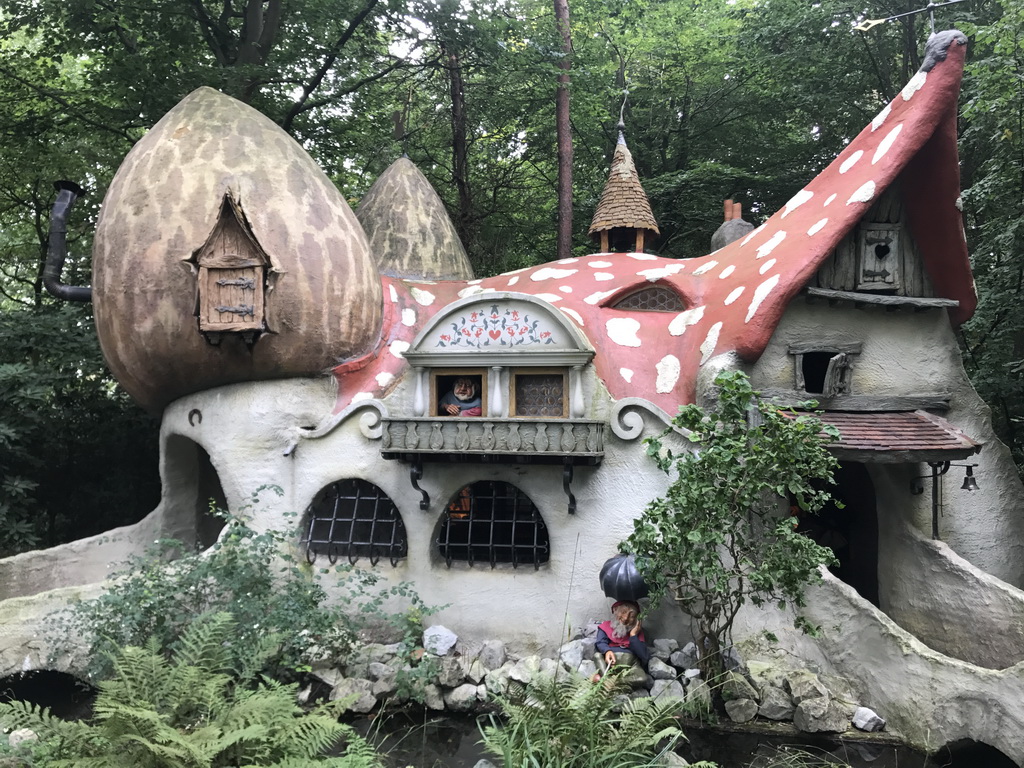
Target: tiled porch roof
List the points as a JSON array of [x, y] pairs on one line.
[[897, 437]]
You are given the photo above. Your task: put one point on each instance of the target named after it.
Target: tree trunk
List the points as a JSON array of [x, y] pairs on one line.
[[460, 149], [564, 249]]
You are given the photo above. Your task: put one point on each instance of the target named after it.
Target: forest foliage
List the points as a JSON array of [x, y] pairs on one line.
[[743, 99]]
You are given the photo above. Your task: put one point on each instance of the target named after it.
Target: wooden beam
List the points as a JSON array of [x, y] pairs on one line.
[[936, 401], [861, 299]]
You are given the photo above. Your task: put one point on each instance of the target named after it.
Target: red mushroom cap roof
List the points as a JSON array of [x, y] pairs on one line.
[[736, 295]]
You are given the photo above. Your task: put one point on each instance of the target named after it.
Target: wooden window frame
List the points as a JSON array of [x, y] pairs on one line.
[[435, 396], [516, 372]]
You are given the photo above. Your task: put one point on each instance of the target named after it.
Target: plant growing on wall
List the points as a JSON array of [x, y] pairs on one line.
[[196, 710], [252, 576], [720, 535]]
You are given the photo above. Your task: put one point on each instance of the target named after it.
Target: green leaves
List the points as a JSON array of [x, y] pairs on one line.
[[721, 534]]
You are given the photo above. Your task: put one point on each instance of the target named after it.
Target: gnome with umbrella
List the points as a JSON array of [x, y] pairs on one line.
[[620, 640]]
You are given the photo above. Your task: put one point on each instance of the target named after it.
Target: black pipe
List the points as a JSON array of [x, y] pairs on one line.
[[57, 250]]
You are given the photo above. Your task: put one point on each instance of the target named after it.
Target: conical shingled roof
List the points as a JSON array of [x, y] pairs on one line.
[[623, 202]]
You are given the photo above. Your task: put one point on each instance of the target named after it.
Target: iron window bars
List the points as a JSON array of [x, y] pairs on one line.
[[353, 519], [493, 522]]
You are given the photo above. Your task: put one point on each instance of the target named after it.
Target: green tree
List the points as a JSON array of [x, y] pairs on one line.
[[720, 535]]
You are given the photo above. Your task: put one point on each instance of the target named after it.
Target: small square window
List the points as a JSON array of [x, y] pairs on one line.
[[540, 395], [459, 393]]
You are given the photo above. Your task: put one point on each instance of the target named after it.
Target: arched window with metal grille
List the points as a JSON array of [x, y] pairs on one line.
[[352, 519], [492, 522], [651, 298]]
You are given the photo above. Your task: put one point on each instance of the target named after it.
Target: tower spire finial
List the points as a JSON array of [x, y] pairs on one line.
[[622, 116]]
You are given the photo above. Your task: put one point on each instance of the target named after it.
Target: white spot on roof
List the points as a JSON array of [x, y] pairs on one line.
[[409, 316], [513, 280], [549, 297], [767, 247], [851, 161], [751, 235], [959, 203], [963, 232], [398, 347], [573, 314], [659, 272], [863, 194], [796, 201], [596, 297], [517, 271], [604, 276], [551, 273], [565, 288], [830, 199], [361, 396], [886, 143], [684, 320], [599, 264], [727, 271], [705, 267], [471, 290], [915, 85], [710, 342], [668, 374], [816, 227], [426, 298], [383, 379], [642, 256], [880, 118], [394, 293], [766, 266], [475, 282], [622, 330], [760, 294], [567, 261], [626, 374], [734, 295]]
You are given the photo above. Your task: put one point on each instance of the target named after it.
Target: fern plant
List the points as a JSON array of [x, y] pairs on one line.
[[192, 711], [570, 722]]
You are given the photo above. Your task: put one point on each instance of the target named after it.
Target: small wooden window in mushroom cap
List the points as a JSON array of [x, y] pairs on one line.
[[651, 298]]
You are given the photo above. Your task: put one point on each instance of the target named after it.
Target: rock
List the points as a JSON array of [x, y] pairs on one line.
[[736, 686], [439, 640], [698, 694], [571, 654], [476, 672], [803, 685], [549, 668], [820, 715], [664, 647], [461, 699], [432, 698], [496, 680], [481, 693], [689, 675], [588, 647], [21, 736], [665, 690], [741, 710], [672, 760], [775, 703], [865, 719], [451, 673], [686, 658], [587, 668], [765, 673], [492, 654], [731, 659], [302, 697], [359, 691], [525, 669], [484, 764], [659, 670], [327, 674], [383, 678]]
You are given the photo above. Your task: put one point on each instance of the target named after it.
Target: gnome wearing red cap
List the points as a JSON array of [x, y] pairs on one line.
[[620, 641]]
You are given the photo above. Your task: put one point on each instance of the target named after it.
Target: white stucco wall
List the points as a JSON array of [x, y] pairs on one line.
[[906, 352]]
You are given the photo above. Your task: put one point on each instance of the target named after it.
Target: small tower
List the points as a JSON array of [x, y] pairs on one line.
[[623, 216]]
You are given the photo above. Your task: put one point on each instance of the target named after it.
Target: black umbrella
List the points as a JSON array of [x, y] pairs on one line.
[[621, 580]]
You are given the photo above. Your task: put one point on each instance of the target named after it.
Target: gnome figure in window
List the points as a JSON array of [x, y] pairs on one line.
[[462, 400]]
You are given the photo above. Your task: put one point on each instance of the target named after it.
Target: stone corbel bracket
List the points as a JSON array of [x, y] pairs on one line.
[[627, 424], [374, 412]]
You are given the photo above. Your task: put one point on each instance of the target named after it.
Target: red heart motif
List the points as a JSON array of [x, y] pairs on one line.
[[494, 334]]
